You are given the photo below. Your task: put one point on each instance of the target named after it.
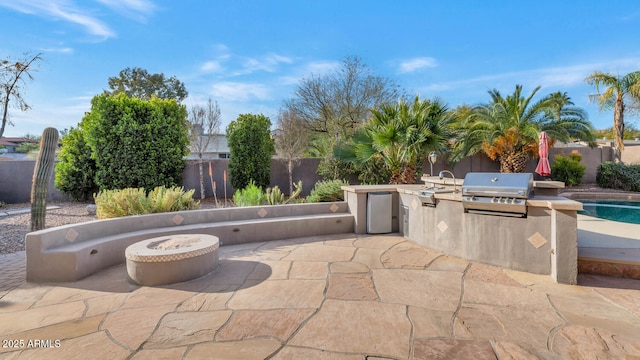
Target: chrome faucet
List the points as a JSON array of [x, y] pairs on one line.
[[441, 175]]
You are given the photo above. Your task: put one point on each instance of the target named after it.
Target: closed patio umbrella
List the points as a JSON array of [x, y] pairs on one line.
[[543, 167]]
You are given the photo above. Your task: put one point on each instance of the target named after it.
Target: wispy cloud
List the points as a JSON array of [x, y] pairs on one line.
[[240, 91], [61, 50], [212, 66], [139, 10], [411, 65], [552, 77], [61, 10], [242, 65], [267, 63]]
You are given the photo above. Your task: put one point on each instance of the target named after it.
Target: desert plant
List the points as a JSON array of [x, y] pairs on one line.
[[45, 164], [327, 191], [131, 201], [618, 176], [251, 195], [275, 196], [568, 169]]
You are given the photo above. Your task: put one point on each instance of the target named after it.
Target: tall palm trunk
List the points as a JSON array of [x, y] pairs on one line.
[[513, 162], [618, 127]]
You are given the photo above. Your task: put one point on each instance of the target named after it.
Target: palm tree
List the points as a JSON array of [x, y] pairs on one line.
[[617, 91], [507, 129], [401, 135]]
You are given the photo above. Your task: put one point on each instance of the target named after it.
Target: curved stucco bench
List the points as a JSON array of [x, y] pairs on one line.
[[72, 252], [171, 259]]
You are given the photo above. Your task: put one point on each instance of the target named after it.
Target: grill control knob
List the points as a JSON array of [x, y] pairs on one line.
[[494, 200]]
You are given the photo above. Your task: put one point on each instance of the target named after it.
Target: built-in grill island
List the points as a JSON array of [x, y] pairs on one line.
[[536, 230], [501, 194]]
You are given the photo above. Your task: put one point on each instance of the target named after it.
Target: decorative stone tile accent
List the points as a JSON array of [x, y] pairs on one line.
[[537, 240], [177, 219], [414, 204], [442, 226], [262, 212], [334, 208], [71, 235]]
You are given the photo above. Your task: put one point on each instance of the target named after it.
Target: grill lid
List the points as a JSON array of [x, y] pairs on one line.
[[518, 185]]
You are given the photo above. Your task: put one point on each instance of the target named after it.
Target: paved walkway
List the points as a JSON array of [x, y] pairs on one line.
[[335, 297]]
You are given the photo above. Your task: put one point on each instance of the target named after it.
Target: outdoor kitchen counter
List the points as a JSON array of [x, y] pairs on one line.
[[542, 242]]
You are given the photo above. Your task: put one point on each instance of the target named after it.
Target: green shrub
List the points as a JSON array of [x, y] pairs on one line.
[[568, 169], [251, 148], [618, 176], [25, 148], [331, 168], [130, 201], [136, 143], [75, 170], [251, 195], [275, 196], [327, 191]]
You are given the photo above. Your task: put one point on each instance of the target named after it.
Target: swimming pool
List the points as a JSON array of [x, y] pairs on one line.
[[617, 210]]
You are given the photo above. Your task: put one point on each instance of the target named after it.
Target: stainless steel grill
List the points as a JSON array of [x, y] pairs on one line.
[[497, 193]]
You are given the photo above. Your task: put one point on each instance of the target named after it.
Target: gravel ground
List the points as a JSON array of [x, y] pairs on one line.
[[13, 228]]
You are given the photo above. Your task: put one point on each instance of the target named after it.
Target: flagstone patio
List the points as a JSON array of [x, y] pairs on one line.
[[332, 297]]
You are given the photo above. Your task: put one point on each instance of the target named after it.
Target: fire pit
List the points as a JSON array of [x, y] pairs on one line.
[[170, 259]]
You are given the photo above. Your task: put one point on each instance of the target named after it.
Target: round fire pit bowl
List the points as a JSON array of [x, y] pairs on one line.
[[171, 259]]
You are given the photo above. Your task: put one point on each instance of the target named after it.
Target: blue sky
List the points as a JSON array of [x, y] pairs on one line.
[[250, 55]]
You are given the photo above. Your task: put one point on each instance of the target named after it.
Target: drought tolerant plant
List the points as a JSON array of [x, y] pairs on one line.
[[327, 191], [506, 128], [251, 195], [618, 176], [275, 196], [45, 164], [568, 169], [130, 201]]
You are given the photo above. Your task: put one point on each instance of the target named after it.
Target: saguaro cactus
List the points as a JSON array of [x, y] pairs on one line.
[[42, 177]]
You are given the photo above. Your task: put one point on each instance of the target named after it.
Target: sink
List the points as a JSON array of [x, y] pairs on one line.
[[436, 190]]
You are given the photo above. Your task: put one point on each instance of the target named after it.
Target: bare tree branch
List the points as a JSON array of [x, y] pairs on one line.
[[12, 76]]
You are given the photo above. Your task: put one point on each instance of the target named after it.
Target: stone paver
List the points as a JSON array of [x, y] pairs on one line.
[[344, 297]]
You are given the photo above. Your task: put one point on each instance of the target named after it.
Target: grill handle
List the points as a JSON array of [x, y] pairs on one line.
[[493, 193]]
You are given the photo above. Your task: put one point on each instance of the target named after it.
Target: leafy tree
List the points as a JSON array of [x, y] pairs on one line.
[[136, 143], [27, 147], [251, 149], [204, 124], [401, 135], [12, 78], [140, 84], [618, 92], [291, 141], [507, 129], [75, 170]]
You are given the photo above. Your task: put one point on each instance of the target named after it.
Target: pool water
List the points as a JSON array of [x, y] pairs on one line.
[[617, 210]]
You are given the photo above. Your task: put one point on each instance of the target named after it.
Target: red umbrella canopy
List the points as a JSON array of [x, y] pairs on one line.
[[543, 167]]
